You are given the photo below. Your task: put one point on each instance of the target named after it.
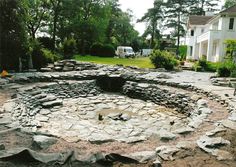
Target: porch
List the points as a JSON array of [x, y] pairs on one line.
[[210, 45]]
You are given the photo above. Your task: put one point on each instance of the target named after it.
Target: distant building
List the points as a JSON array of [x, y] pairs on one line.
[[206, 34]]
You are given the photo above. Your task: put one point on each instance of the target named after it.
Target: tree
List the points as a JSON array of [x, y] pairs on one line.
[[37, 13], [176, 12], [229, 3], [92, 22], [12, 34], [199, 7], [56, 9], [115, 12], [153, 17], [231, 49]]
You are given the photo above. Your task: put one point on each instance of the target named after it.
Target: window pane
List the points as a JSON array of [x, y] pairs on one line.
[[192, 32], [231, 23]]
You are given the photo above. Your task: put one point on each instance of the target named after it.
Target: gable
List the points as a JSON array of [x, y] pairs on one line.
[[199, 20], [231, 10]]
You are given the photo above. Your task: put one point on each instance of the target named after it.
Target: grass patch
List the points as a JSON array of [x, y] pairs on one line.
[[141, 62]]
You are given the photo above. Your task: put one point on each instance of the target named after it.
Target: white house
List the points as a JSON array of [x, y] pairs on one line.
[[206, 34]]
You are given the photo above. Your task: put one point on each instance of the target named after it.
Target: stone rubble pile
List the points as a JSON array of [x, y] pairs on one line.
[[223, 81], [69, 65], [211, 145]]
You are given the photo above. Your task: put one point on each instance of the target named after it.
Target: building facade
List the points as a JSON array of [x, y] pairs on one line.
[[206, 35]]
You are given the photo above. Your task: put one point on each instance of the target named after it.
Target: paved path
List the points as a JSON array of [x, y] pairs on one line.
[[202, 81], [198, 79]]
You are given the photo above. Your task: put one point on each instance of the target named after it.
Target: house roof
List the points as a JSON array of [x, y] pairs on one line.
[[199, 20], [230, 10], [203, 20]]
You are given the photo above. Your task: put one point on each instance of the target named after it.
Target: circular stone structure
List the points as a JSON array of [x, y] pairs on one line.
[[80, 110], [114, 104]]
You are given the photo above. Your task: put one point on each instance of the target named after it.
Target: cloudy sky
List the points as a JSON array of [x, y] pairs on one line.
[[139, 7]]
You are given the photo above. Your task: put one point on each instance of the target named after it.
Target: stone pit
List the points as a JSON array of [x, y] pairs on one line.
[[116, 104]]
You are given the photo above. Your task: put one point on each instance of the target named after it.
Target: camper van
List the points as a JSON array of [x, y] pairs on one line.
[[125, 51]]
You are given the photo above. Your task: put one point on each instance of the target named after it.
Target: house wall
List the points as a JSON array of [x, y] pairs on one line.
[[192, 40], [214, 34], [225, 34]]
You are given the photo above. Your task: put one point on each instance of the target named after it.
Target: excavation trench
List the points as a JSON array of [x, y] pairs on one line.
[[102, 110]]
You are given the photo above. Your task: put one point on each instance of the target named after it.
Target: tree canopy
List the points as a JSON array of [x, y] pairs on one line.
[[12, 33], [33, 24], [229, 3]]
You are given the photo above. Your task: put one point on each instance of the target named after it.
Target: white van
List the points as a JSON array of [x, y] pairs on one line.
[[125, 51]]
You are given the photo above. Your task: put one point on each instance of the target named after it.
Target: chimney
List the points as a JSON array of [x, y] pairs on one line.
[[209, 13]]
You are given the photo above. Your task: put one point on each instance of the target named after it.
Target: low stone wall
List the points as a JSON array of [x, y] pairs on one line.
[[223, 81], [32, 99], [181, 102]]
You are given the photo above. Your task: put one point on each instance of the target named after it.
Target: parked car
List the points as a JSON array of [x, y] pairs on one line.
[[146, 52], [125, 52]]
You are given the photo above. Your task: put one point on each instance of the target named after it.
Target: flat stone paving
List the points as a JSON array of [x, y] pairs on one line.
[[109, 117]]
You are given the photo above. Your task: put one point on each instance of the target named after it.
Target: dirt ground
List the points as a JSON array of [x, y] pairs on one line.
[[187, 158]]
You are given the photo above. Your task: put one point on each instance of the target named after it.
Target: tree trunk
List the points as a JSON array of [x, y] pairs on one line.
[[83, 46], [202, 6], [20, 64], [30, 62], [56, 9], [54, 29], [152, 38], [1, 50], [178, 35]]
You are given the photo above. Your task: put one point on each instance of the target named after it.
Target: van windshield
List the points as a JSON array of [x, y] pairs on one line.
[[128, 50]]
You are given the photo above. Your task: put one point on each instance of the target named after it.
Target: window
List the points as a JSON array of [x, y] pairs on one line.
[[192, 32], [231, 23], [191, 51]]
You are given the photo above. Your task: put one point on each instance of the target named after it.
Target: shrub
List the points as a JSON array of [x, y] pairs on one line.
[[182, 63], [183, 52], [49, 56], [69, 48], [96, 49], [41, 56], [212, 66], [108, 51], [196, 67], [225, 69], [203, 65], [233, 73], [46, 42], [37, 55], [230, 48], [163, 59]]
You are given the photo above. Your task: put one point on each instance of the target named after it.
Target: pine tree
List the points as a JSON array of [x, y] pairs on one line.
[[229, 3], [176, 13], [153, 17], [201, 6]]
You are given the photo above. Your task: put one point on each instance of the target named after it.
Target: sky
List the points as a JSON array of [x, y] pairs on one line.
[[139, 7]]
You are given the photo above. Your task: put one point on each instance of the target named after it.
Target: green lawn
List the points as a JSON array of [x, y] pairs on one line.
[[142, 62]]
